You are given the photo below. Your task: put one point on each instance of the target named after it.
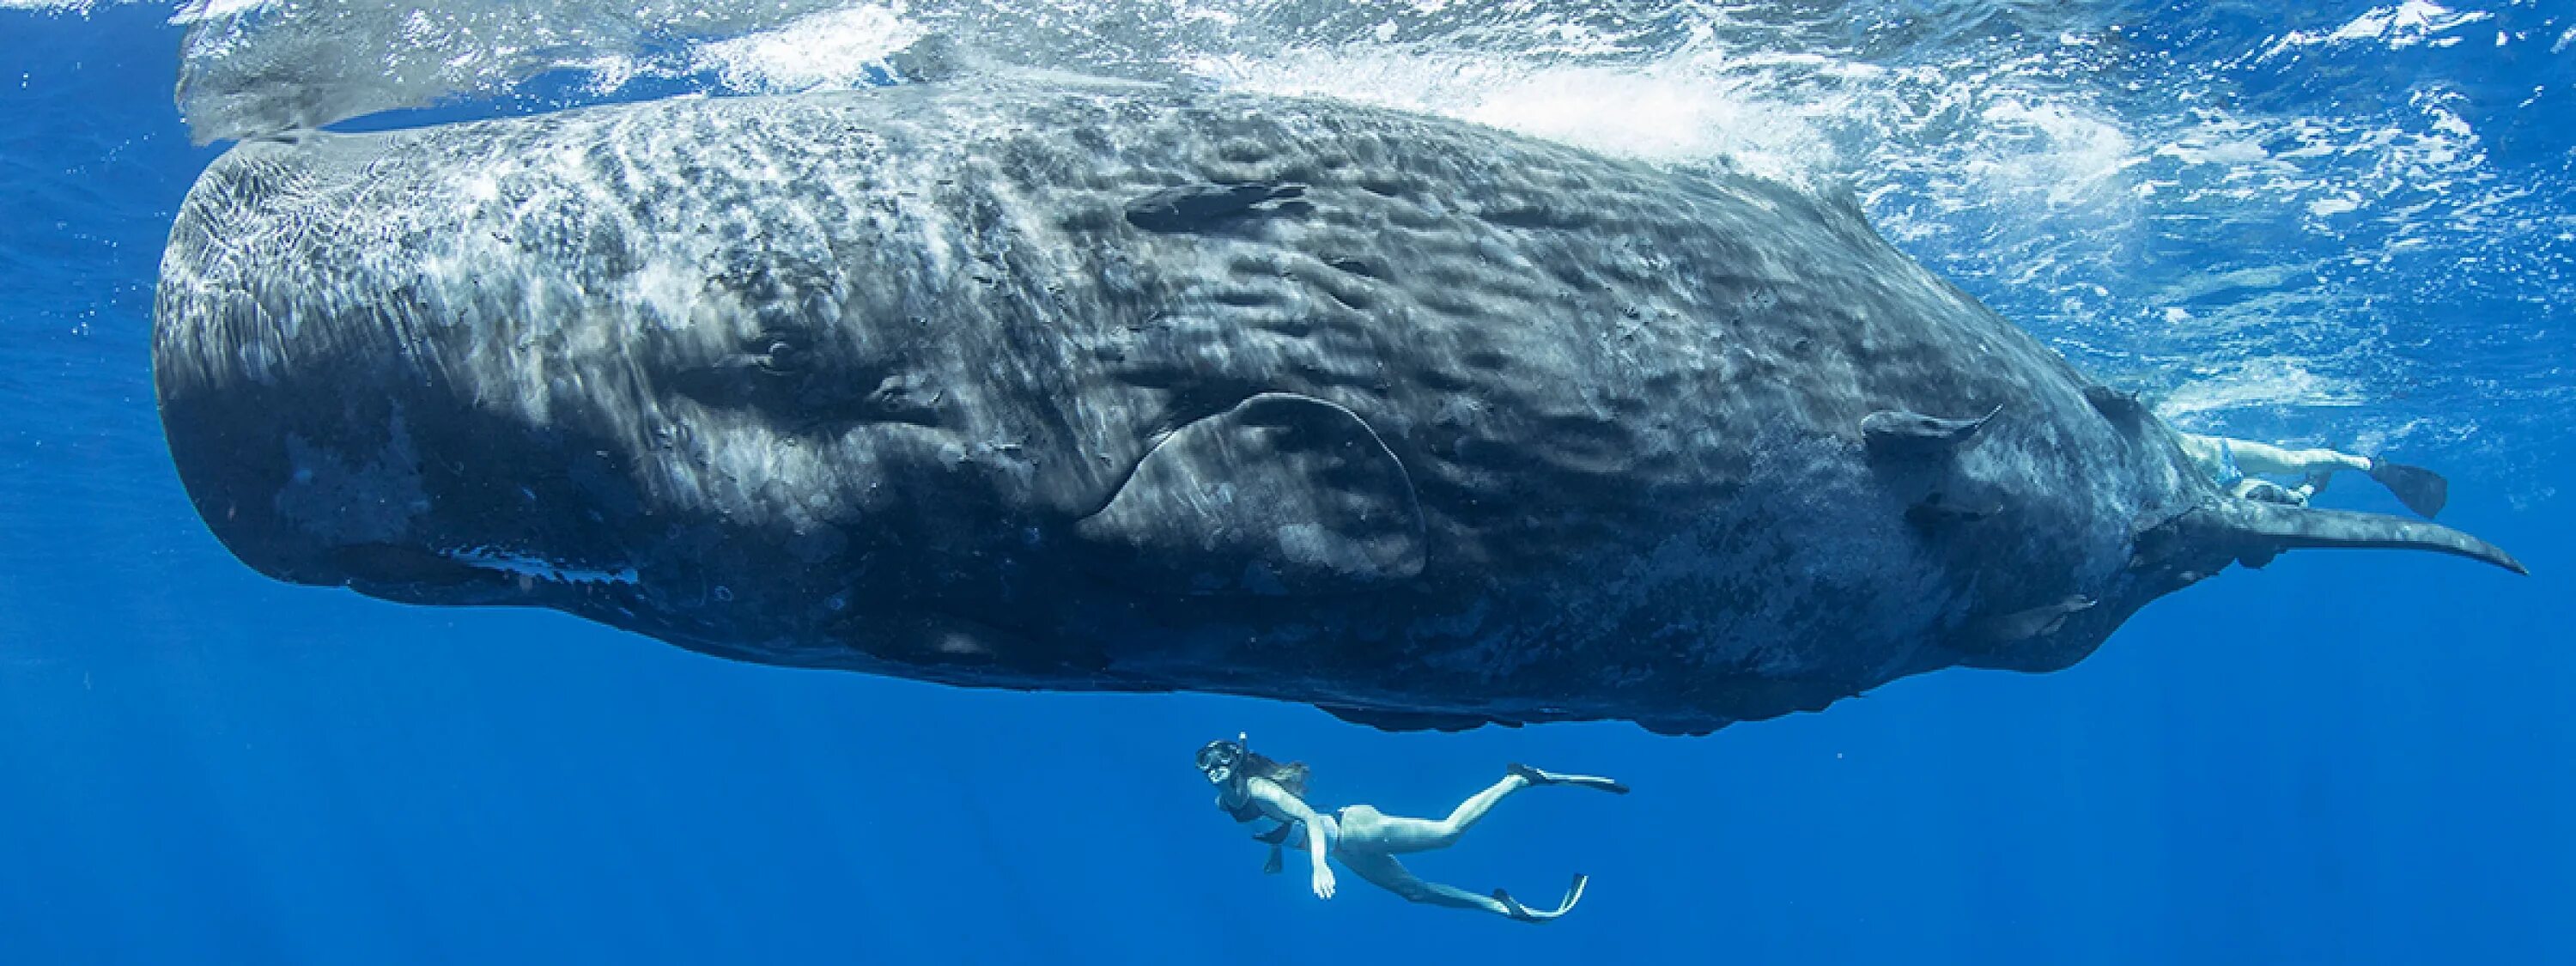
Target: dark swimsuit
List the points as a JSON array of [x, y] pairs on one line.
[[1250, 811]]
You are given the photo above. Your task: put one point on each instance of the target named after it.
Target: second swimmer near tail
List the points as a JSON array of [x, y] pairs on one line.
[[2238, 466], [1252, 786]]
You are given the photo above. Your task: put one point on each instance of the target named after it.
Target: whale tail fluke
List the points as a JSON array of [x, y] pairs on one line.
[[2262, 530]]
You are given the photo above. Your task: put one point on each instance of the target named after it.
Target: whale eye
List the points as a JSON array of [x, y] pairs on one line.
[[783, 356], [804, 384]]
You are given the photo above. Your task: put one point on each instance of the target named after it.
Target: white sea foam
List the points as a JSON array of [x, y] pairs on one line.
[[2257, 382], [831, 49], [2399, 27], [196, 10], [1670, 112]]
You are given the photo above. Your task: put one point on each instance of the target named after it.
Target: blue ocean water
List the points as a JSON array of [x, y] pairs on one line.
[[2347, 223]]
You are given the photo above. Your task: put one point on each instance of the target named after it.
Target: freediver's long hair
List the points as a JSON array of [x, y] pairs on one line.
[[1291, 776]]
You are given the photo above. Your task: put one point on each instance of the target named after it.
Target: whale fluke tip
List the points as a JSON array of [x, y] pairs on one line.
[[2274, 527]]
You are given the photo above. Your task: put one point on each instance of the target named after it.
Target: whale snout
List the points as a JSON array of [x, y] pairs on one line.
[[400, 491]]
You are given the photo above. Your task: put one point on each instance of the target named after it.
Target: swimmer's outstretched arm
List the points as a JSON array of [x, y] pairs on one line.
[[1269, 793]]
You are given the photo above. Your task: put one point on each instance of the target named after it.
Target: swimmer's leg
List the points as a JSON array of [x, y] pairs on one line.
[[2260, 458], [1384, 872], [1398, 835]]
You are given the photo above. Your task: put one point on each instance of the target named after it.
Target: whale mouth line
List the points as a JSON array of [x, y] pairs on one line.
[[512, 562], [397, 572]]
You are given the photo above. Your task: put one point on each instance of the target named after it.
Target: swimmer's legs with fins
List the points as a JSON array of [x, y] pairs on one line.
[[1386, 873]]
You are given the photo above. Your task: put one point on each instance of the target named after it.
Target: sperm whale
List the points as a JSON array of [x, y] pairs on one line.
[[1053, 383]]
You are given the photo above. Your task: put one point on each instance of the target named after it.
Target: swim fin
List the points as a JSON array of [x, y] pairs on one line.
[[1537, 777], [2422, 490], [1512, 907]]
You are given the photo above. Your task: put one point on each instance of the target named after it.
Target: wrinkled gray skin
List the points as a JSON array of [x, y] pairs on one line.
[[1049, 383]]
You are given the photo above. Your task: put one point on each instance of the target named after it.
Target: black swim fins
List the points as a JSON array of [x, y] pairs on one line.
[[1537, 777], [2422, 490]]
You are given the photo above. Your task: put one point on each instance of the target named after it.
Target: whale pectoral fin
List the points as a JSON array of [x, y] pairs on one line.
[[2120, 407], [1281, 495], [1384, 720], [1899, 433]]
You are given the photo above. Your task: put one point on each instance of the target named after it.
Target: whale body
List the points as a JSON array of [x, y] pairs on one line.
[[1046, 382]]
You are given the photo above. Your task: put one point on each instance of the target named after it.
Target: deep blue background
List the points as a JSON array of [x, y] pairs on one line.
[[2345, 758]]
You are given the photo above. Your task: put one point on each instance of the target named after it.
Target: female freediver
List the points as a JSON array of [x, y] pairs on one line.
[[1252, 786]]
